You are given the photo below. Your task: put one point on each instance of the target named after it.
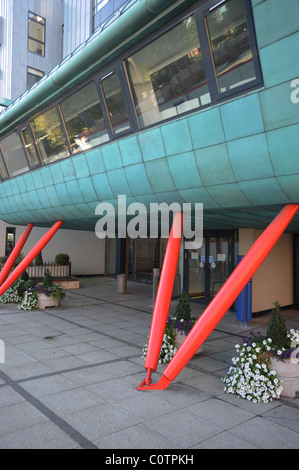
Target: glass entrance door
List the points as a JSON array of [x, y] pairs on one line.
[[207, 268]]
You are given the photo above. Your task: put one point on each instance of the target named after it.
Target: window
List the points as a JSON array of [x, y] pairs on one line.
[[33, 76], [167, 76], [84, 119], [3, 169], [49, 136], [10, 240], [30, 147], [36, 34], [115, 103], [14, 154], [231, 51]]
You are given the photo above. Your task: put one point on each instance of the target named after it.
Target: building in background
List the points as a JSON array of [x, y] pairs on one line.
[[83, 18], [30, 43]]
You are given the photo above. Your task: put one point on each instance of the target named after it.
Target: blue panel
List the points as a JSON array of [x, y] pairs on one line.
[[250, 158], [242, 117], [206, 128], [176, 137]]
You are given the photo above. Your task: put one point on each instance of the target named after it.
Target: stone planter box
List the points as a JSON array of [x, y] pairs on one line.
[[288, 373], [180, 338], [45, 302]]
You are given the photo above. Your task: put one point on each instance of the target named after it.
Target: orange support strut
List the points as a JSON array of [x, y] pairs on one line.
[[225, 297], [15, 253], [30, 257], [163, 298]]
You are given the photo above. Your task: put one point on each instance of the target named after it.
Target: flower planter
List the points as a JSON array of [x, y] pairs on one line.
[[180, 338], [288, 373], [45, 301]]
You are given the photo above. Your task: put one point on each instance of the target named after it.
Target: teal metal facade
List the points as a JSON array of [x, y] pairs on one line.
[[239, 158]]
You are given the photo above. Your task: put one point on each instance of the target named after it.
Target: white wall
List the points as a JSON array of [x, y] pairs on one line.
[[86, 251]]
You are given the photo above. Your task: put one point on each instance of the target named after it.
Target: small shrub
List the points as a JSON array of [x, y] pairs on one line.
[[277, 330], [62, 259], [39, 260], [48, 280]]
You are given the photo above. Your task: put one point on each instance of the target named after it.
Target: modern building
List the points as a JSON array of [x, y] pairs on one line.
[[168, 101], [31, 45]]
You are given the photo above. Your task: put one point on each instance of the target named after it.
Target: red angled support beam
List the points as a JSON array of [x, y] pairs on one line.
[[30, 257], [225, 297], [15, 253], [163, 298]]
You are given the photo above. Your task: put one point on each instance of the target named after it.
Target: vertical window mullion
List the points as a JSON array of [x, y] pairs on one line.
[[62, 123], [206, 55]]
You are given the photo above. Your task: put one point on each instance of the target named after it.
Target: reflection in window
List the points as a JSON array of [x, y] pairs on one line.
[[3, 170], [167, 76], [229, 38], [29, 146], [33, 76], [36, 34], [84, 119], [14, 154], [116, 108], [50, 137]]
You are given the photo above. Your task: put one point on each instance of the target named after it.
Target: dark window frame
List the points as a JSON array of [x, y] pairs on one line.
[[2, 156], [43, 43], [11, 230], [27, 125], [17, 132]]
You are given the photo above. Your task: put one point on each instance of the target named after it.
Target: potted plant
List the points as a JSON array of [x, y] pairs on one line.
[[267, 366], [48, 294], [182, 321], [168, 348]]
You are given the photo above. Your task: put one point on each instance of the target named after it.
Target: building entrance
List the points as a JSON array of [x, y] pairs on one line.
[[207, 268]]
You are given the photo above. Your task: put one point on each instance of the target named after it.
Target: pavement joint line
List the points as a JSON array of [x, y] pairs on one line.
[[81, 440], [9, 380]]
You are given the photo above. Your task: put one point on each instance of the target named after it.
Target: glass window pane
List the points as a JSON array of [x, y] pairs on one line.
[[3, 171], [29, 146], [84, 119], [36, 47], [115, 103], [36, 34], [37, 30], [229, 38], [14, 154], [167, 76], [50, 137]]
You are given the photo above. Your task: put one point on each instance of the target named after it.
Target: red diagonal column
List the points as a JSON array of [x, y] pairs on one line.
[[225, 297], [163, 298], [15, 253], [30, 257]]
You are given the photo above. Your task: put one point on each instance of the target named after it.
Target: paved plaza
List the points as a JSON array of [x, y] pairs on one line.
[[71, 374]]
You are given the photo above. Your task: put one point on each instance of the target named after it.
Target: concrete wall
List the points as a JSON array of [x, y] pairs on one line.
[[86, 251], [274, 279]]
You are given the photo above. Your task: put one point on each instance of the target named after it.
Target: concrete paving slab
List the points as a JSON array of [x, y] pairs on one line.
[[71, 376]]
